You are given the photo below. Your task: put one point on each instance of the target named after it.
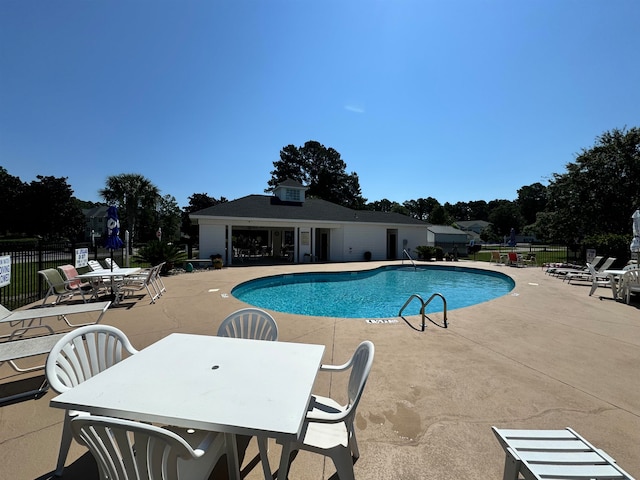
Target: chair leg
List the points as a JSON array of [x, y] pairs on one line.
[[67, 436], [343, 462], [353, 444], [263, 447]]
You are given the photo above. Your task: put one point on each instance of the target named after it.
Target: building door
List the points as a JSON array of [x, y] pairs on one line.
[[392, 244], [324, 247]]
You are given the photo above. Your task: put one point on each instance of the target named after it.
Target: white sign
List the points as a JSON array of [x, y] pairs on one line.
[[5, 270], [82, 257], [591, 254]]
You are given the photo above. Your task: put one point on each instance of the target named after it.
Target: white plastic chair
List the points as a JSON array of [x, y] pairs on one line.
[[256, 324], [78, 356], [126, 450], [249, 323], [630, 283], [328, 428]]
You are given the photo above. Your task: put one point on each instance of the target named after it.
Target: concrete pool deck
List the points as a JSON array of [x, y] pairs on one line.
[[545, 356]]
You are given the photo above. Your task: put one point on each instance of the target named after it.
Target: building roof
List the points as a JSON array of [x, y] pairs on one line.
[[100, 210], [473, 223], [314, 209], [445, 229]]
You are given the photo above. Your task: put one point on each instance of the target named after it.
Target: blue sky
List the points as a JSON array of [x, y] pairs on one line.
[[458, 100]]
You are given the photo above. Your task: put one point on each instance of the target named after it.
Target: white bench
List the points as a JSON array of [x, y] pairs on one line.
[[551, 454]]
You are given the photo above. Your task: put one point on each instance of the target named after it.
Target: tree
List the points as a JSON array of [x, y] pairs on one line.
[[438, 216], [531, 200], [136, 197], [169, 216], [11, 203], [197, 202], [599, 191], [385, 205], [50, 200], [421, 208], [504, 216], [321, 170]]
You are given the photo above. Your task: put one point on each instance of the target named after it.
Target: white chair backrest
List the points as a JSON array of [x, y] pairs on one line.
[[361, 366], [83, 353], [250, 323], [127, 450], [631, 277]]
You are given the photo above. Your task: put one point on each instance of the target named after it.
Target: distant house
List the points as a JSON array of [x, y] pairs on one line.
[[95, 222], [446, 237], [476, 226], [473, 228], [286, 226]]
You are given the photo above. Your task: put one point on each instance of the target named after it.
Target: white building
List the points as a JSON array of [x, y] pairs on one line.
[[286, 226]]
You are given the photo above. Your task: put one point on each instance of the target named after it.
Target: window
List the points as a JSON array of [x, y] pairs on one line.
[[292, 195]]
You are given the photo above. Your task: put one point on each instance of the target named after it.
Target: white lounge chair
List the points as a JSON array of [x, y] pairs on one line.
[[138, 282], [27, 318], [586, 275], [78, 356], [561, 271], [554, 454], [328, 427], [126, 450]]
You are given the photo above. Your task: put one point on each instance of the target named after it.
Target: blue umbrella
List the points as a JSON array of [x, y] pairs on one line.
[[113, 241], [512, 238]]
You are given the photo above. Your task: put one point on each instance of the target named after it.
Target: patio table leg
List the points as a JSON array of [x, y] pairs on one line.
[[283, 469], [233, 463]]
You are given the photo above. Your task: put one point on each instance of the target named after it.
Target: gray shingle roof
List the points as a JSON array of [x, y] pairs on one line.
[[445, 229], [270, 207]]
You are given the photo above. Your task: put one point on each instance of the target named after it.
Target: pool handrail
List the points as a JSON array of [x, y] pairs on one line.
[[424, 306]]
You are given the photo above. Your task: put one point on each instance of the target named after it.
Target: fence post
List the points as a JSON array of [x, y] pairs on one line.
[[40, 267]]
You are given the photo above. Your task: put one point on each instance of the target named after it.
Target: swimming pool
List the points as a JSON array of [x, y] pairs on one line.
[[378, 293]]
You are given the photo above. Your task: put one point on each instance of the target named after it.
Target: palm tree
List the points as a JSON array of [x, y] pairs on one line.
[[132, 193]]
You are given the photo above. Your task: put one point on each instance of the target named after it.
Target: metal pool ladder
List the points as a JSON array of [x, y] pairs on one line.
[[424, 306], [404, 251]]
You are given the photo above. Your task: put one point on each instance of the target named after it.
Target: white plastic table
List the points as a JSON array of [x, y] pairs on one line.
[[110, 275], [228, 385]]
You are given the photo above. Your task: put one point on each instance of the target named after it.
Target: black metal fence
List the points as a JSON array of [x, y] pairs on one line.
[[29, 256], [542, 253]]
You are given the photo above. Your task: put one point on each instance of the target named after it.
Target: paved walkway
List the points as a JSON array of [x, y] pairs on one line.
[[544, 356]]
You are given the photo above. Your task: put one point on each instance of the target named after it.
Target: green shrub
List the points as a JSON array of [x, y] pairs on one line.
[[471, 249], [611, 245], [156, 252], [425, 252], [438, 253]]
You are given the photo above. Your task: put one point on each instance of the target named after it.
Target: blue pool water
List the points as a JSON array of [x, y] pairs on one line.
[[378, 293]]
